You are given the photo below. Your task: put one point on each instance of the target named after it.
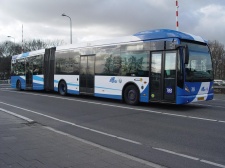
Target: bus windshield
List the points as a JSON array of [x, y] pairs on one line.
[[199, 67]]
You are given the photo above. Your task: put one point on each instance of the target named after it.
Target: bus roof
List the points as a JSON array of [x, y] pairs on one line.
[[140, 36], [28, 54], [167, 33]]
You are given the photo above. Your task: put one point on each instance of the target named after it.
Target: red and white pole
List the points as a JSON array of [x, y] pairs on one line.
[[22, 39], [177, 23]]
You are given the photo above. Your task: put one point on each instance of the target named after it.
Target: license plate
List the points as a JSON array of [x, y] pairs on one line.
[[200, 98]]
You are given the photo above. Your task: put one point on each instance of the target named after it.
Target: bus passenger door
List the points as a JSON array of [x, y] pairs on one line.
[[170, 76], [156, 76], [87, 74], [49, 68], [163, 76]]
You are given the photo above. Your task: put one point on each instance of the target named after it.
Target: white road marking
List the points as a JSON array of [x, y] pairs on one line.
[[129, 108], [73, 124], [206, 119], [17, 115], [107, 149], [212, 163], [219, 99], [175, 153], [208, 105], [110, 135], [91, 143], [190, 157]]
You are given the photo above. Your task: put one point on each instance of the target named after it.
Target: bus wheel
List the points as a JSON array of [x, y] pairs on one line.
[[62, 88], [131, 95], [18, 85]]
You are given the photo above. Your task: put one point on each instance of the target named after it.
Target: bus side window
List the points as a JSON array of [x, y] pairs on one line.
[[36, 70]]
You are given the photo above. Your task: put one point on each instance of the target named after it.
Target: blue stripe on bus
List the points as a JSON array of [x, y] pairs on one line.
[[210, 96], [38, 78], [24, 55], [37, 86], [144, 96], [56, 89], [68, 91], [107, 88], [72, 84], [56, 81], [119, 97], [14, 80], [68, 84], [72, 91]]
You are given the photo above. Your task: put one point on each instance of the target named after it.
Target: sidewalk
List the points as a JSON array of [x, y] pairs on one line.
[[27, 145]]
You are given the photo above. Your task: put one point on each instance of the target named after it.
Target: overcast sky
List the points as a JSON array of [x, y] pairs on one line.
[[98, 19]]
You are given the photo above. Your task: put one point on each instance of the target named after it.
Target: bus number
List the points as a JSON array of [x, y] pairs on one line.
[[169, 90]]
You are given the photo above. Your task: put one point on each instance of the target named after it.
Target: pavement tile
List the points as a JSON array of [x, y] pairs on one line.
[[30, 146], [7, 159]]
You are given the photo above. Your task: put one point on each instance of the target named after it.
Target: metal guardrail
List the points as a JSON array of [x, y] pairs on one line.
[[5, 81], [219, 87]]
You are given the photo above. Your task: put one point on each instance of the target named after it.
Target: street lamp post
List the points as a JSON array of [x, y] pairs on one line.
[[13, 38], [70, 27]]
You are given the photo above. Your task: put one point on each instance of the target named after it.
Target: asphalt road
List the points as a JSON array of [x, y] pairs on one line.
[[173, 136]]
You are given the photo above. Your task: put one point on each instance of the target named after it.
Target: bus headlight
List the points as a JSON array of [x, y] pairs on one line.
[[212, 87], [187, 89]]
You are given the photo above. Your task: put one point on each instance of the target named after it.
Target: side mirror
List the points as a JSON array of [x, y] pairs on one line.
[[186, 54]]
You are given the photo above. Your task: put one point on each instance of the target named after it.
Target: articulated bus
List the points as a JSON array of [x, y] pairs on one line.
[[162, 65]]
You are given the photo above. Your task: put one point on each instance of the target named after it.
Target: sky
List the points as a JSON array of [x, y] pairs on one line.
[[103, 19]]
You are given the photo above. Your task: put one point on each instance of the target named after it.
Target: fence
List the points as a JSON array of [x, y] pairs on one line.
[[5, 81], [219, 89]]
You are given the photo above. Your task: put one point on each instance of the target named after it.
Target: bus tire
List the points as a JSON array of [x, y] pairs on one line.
[[131, 95], [62, 88], [18, 85]]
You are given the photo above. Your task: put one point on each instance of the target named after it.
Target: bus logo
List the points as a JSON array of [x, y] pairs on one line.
[[204, 89], [113, 80]]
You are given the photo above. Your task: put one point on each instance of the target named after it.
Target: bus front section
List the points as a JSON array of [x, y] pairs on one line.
[[197, 74]]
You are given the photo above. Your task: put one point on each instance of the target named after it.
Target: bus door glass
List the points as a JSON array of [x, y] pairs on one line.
[[87, 74], [29, 73], [156, 76], [163, 76], [170, 72]]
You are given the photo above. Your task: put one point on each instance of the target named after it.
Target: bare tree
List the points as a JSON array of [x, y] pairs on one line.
[[218, 59], [5, 67], [8, 49], [55, 43], [33, 45]]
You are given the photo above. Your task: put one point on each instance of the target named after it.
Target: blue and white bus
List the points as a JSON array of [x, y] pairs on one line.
[[162, 65]]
